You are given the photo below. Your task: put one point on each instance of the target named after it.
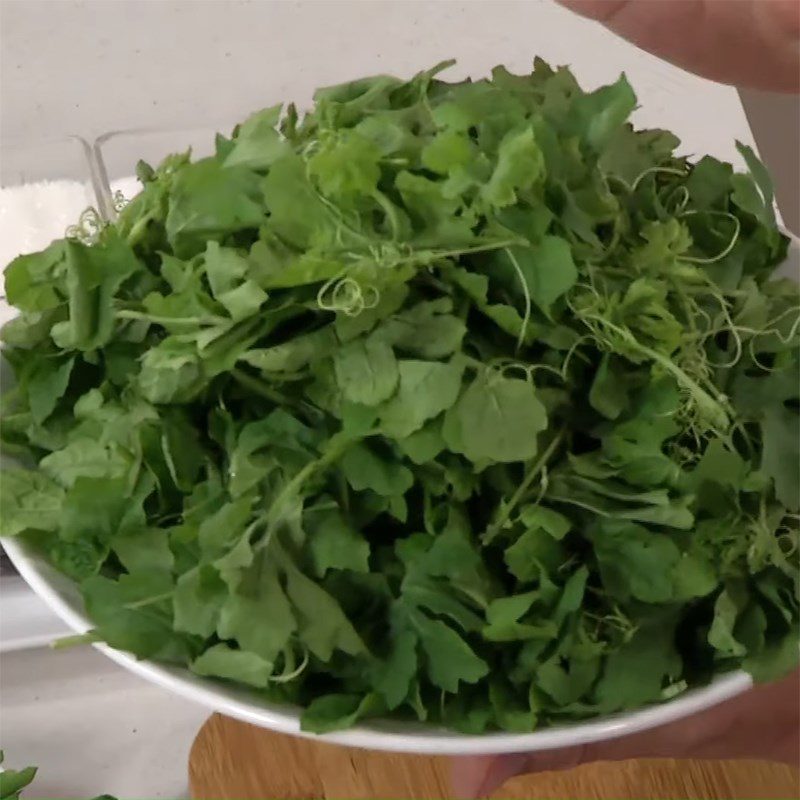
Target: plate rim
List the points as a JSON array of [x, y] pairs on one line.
[[383, 735]]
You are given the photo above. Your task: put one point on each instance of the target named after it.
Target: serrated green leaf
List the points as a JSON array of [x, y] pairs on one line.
[[448, 658], [259, 594]]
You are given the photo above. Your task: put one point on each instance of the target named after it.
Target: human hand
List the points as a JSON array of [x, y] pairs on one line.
[[763, 723], [754, 43]]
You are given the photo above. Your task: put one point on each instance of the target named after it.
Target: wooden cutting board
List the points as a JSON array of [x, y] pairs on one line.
[[231, 760]]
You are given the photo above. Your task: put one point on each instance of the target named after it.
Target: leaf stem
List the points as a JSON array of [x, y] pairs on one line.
[[335, 449], [138, 228], [505, 512], [483, 248], [259, 387], [526, 317], [125, 313], [146, 601], [73, 641], [701, 396], [390, 211]]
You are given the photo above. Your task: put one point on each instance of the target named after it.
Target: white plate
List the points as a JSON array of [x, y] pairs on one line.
[[63, 597]]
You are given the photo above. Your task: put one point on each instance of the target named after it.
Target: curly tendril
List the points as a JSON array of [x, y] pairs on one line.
[[657, 171], [345, 295], [680, 197], [526, 316], [290, 672], [736, 231], [507, 367], [119, 201], [88, 227]]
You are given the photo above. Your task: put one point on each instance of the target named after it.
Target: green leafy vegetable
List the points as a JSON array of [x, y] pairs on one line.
[[466, 402], [13, 781]]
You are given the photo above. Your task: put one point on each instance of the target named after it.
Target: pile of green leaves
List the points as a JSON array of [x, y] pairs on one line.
[[460, 402]]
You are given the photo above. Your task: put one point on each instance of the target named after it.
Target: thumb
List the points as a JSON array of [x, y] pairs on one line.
[[601, 10], [479, 776]]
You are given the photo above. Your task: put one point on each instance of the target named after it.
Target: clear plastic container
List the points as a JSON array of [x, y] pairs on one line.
[[45, 185], [24, 161], [117, 153]]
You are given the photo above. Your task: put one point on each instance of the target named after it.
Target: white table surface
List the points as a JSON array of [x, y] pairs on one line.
[[90, 67], [93, 728]]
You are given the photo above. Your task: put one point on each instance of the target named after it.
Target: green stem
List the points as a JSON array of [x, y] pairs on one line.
[[699, 393], [682, 378], [334, 451], [129, 314], [483, 248], [504, 514], [344, 492], [146, 601], [474, 363], [526, 317], [390, 211], [90, 637], [657, 171], [138, 229], [260, 388]]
